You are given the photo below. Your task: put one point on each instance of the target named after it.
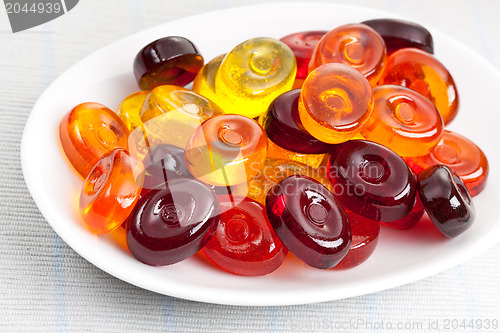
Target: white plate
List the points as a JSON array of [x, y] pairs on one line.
[[401, 257]]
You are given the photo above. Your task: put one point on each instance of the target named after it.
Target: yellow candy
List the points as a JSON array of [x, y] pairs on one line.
[[130, 109], [275, 151], [204, 83]]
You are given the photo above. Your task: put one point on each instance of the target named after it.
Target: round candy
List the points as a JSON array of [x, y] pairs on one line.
[[130, 109], [171, 223], [170, 60], [356, 45], [372, 180], [204, 82], [365, 234], [226, 150], [110, 192], [88, 132], [399, 34], [404, 121], [460, 154], [446, 200], [244, 242], [309, 221], [422, 72], [335, 101], [411, 219], [253, 74], [302, 45]]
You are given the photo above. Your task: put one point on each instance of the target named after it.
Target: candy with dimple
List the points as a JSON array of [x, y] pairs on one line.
[[422, 72], [253, 74], [172, 223], [335, 102], [170, 60], [446, 200], [88, 132], [309, 221], [399, 34], [356, 45], [460, 154], [372, 180], [110, 192], [404, 121], [204, 82], [245, 242], [131, 108], [226, 150]]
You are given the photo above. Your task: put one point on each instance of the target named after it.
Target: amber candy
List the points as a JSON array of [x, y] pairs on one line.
[[204, 82], [422, 72], [356, 45], [130, 109], [88, 132], [404, 121]]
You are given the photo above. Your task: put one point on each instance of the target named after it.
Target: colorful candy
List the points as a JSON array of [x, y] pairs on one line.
[[131, 108], [244, 242], [204, 82], [88, 132]]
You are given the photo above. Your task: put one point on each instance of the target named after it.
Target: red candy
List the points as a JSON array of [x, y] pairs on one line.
[[244, 242], [302, 45]]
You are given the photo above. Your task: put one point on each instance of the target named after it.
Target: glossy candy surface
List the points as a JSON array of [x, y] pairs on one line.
[[460, 154], [372, 181], [131, 108], [404, 121], [356, 45], [275, 151], [253, 74], [309, 221], [302, 45], [335, 101], [172, 223], [110, 192], [365, 234], [411, 219], [245, 242], [170, 60], [204, 82], [226, 150], [422, 72], [166, 162], [399, 34], [446, 200], [88, 132]]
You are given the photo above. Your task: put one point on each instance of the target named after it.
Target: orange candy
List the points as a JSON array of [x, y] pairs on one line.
[[226, 150], [461, 155], [110, 192], [335, 101], [404, 121], [88, 132], [356, 45], [422, 72]]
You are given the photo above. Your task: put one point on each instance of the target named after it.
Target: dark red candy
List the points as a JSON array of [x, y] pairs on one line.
[[446, 200], [398, 34], [372, 180], [365, 234], [171, 60], [309, 221], [283, 126], [171, 223], [411, 219], [302, 45], [166, 162], [244, 242]]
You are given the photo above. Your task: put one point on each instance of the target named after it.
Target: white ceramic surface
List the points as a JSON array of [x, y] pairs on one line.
[[401, 257]]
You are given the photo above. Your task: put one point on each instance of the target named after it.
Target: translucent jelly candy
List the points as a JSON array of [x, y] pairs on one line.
[[365, 234], [274, 171], [170, 60], [245, 242], [309, 221], [356, 45], [88, 132], [399, 34], [422, 72], [404, 121], [110, 192], [446, 200], [372, 180], [460, 154], [275, 151], [204, 82], [226, 150], [172, 223], [302, 45], [335, 101], [131, 108], [253, 74]]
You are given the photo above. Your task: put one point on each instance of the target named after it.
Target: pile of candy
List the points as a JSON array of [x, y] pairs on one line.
[[305, 144]]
